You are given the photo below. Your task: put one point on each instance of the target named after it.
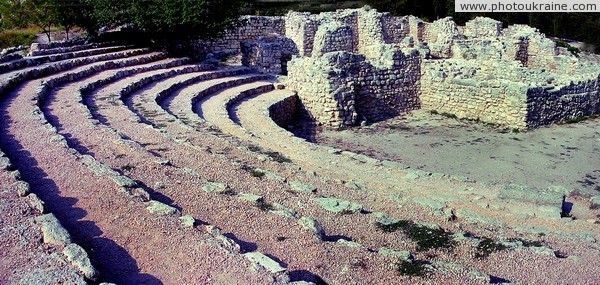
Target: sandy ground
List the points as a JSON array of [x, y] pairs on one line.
[[567, 155]]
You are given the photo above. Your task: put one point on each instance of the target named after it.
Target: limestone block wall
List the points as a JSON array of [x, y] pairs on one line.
[[342, 88], [388, 85], [506, 93], [269, 54], [417, 28], [440, 35], [371, 29], [481, 49], [546, 106], [333, 36], [455, 87], [482, 27], [285, 112], [395, 29], [252, 27], [301, 28], [531, 48], [325, 85]]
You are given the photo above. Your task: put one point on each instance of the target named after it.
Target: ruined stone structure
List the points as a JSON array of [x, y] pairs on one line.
[[355, 66]]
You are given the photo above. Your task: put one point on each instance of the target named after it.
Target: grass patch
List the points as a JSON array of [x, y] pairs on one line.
[[17, 37], [575, 51], [414, 268], [560, 254], [486, 246], [276, 156], [255, 172], [264, 206], [229, 192], [127, 167], [581, 119], [425, 237], [529, 243], [515, 131]]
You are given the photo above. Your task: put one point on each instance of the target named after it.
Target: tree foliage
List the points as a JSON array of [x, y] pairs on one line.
[[166, 21], [42, 13], [13, 14]]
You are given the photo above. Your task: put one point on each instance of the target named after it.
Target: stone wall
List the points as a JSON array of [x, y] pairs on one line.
[[343, 89], [546, 106], [333, 36], [269, 54], [355, 66], [459, 88], [440, 36], [482, 27], [326, 87], [285, 112], [506, 93], [252, 28]]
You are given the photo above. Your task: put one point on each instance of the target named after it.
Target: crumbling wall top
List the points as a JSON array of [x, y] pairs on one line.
[[483, 27]]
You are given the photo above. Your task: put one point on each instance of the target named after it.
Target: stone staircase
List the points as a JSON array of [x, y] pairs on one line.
[[167, 171]]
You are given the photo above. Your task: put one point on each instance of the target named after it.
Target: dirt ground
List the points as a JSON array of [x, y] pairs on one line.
[[567, 155]]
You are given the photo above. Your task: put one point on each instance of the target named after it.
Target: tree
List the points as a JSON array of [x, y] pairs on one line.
[[43, 14], [13, 14], [71, 13], [167, 22]]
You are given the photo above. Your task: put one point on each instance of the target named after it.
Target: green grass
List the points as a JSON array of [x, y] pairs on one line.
[[425, 237], [127, 167], [276, 156], [264, 206], [581, 119], [575, 51], [17, 37], [487, 246], [414, 268]]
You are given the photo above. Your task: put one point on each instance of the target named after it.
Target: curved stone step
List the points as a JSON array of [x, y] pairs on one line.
[[117, 121], [215, 108], [38, 140], [68, 127], [183, 104], [424, 202], [19, 77], [56, 50], [254, 117], [38, 60], [185, 171]]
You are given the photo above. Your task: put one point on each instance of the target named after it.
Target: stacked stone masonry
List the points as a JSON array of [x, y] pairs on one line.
[[360, 65]]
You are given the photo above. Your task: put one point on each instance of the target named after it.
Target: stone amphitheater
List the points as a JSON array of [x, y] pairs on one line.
[[122, 165]]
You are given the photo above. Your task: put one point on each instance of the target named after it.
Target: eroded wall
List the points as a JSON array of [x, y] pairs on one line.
[[355, 66]]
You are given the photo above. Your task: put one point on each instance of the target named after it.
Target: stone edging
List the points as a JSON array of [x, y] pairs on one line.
[[52, 230]]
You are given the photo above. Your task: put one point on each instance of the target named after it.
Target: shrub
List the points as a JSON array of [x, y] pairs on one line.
[[17, 37]]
